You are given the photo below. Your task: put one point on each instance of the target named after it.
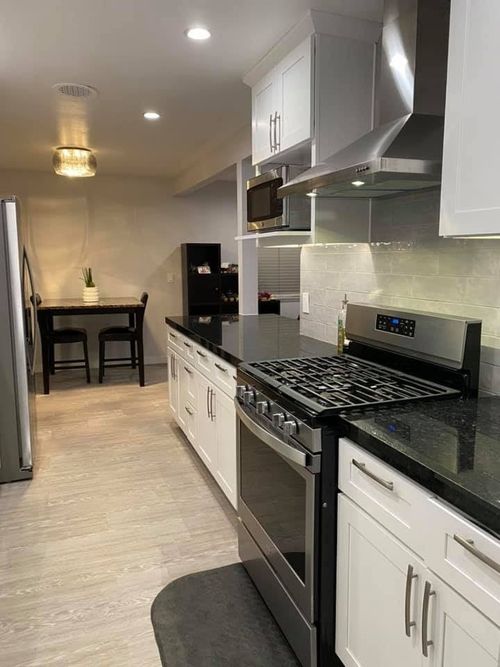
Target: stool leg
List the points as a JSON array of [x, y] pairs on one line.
[[132, 353], [52, 355], [101, 361], [86, 356], [140, 351]]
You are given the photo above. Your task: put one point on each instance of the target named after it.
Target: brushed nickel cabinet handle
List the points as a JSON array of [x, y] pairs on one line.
[[188, 410], [468, 545], [362, 467], [208, 403], [188, 370], [173, 335], [277, 138], [271, 147], [409, 624], [212, 411], [187, 344], [426, 642], [204, 356], [221, 368]]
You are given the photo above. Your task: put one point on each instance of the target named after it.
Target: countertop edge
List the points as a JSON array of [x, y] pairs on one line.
[[215, 349], [479, 512]]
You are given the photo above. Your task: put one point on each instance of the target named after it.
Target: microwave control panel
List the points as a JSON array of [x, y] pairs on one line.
[[396, 325]]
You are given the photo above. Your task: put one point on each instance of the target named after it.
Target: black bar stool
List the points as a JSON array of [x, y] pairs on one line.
[[63, 336], [133, 334]]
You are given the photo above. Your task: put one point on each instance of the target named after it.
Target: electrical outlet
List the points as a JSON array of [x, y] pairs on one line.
[[305, 302]]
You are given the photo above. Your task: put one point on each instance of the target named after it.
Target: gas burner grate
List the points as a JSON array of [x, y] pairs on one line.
[[336, 383]]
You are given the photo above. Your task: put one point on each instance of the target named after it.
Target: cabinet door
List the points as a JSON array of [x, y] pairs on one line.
[[470, 196], [461, 636], [372, 574], [207, 443], [173, 384], [294, 97], [225, 420], [263, 111]]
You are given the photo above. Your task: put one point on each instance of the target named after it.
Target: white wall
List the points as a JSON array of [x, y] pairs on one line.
[[456, 277], [129, 230]]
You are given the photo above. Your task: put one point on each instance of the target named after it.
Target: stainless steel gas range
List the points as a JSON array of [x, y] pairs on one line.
[[289, 421]]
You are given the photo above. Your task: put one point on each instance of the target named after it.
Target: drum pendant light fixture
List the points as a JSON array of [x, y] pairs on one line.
[[74, 162]]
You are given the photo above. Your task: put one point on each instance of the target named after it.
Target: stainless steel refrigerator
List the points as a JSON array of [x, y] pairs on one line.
[[18, 338]]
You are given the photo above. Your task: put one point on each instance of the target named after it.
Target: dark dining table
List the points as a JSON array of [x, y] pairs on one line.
[[50, 308]]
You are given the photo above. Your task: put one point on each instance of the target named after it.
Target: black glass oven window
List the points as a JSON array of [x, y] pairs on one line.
[[276, 495], [263, 202]]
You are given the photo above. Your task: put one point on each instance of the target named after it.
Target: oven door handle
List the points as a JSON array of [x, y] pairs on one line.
[[287, 451]]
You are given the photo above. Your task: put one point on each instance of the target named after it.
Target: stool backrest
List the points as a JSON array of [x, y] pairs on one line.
[[144, 299], [38, 299]]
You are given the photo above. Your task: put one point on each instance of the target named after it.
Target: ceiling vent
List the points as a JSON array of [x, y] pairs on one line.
[[76, 90]]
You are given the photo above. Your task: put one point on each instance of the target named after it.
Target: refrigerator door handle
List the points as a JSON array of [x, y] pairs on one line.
[[18, 334]]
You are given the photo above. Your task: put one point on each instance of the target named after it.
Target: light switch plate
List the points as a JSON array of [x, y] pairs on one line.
[[305, 302]]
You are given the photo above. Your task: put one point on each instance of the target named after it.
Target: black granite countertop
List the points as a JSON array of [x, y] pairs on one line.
[[238, 338], [451, 447]]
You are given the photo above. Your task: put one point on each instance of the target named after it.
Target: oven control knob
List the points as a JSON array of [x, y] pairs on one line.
[[248, 395], [240, 390], [278, 419], [262, 407], [290, 428]]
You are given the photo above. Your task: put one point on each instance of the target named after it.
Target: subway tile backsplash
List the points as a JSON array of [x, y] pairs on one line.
[[457, 277]]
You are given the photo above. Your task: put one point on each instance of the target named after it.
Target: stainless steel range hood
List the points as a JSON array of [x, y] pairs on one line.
[[404, 152]]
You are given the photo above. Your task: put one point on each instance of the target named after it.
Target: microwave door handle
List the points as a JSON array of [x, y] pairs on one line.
[[280, 447]]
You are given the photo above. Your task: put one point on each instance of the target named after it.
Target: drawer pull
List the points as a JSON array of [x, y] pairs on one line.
[[188, 410], [173, 335], [221, 368], [187, 344], [362, 467], [426, 642], [410, 576], [204, 356], [468, 545], [188, 370]]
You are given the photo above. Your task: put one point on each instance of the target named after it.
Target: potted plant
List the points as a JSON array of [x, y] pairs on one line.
[[90, 291]]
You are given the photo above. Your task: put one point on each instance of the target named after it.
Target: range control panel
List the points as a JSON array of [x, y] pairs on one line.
[[396, 325]]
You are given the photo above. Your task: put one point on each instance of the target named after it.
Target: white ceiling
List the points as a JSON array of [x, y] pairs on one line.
[[135, 53]]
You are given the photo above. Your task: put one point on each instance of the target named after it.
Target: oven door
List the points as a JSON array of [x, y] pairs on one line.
[[265, 210], [278, 494]]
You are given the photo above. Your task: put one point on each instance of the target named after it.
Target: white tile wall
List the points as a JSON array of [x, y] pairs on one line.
[[458, 277]]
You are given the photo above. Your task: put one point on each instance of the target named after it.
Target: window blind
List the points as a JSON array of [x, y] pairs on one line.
[[279, 270]]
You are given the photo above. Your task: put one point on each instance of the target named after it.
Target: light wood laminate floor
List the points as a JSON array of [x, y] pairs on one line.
[[119, 506]]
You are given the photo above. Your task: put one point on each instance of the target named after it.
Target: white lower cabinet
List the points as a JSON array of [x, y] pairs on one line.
[[372, 567], [225, 422], [394, 611], [203, 406], [173, 385], [207, 444]]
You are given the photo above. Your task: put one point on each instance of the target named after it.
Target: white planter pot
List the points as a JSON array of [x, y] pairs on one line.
[[90, 294]]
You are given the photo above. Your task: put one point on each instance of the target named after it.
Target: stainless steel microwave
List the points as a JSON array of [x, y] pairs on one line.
[[266, 211]]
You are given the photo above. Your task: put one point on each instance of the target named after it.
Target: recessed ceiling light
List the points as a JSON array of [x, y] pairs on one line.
[[358, 184], [198, 34], [151, 115]]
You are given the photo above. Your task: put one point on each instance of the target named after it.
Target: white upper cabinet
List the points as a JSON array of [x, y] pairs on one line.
[[264, 102], [293, 83], [282, 105], [470, 196]]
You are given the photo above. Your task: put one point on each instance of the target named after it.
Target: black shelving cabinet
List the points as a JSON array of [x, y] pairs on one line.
[[206, 293]]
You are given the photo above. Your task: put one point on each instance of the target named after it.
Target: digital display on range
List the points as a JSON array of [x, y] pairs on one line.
[[396, 325]]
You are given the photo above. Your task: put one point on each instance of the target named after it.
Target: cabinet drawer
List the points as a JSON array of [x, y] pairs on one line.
[[391, 498], [174, 340], [204, 359], [224, 375], [465, 556]]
